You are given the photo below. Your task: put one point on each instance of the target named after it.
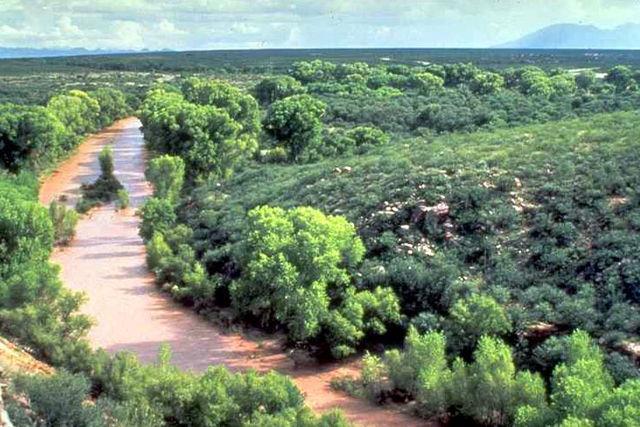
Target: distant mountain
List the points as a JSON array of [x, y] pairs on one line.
[[17, 52], [575, 36]]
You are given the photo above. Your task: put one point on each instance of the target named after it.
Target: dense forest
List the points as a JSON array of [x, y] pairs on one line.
[[472, 232]]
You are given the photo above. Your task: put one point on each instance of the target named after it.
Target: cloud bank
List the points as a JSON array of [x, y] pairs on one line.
[[226, 24]]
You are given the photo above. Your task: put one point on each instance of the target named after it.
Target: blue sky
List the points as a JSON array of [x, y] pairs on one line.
[[224, 24]]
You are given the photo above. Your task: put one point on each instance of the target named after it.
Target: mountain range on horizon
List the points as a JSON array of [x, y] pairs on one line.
[[578, 36]]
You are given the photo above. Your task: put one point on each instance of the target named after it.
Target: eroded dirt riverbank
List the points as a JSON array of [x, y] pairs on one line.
[[106, 260]]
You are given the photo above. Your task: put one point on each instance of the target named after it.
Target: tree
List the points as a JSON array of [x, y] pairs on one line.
[[535, 82], [296, 268], [427, 83], [207, 138], [586, 80], [166, 174], [240, 106], [295, 123], [422, 370], [26, 234], [158, 215], [493, 388], [621, 77], [113, 105], [314, 71], [274, 88], [473, 317], [563, 84], [78, 112], [485, 83], [30, 137], [581, 385]]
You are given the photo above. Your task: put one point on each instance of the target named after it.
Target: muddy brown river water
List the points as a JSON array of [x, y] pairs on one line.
[[106, 261]]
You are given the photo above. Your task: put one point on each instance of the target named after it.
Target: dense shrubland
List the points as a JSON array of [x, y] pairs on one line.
[[120, 391], [490, 390], [493, 247], [459, 97]]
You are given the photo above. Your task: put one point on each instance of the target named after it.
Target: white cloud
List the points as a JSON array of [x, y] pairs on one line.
[[196, 24]]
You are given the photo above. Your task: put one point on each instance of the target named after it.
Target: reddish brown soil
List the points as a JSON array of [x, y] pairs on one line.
[[106, 260]]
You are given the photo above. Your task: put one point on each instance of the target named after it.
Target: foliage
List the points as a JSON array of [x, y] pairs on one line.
[[157, 215], [212, 138], [34, 306], [296, 266], [64, 222], [274, 88], [475, 316], [105, 189], [130, 393], [166, 174], [113, 105], [295, 123], [30, 137], [78, 112], [122, 199]]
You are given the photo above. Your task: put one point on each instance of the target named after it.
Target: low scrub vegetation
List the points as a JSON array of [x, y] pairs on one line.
[[105, 189]]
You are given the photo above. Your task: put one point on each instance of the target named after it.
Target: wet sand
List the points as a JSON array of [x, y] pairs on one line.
[[106, 260]]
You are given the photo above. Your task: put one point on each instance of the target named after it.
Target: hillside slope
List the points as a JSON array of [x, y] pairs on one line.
[[545, 219]]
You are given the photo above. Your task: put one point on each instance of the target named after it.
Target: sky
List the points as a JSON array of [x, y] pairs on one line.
[[250, 24]]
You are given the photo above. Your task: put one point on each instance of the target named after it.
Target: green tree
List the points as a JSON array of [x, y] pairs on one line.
[[166, 174], [621, 77], [494, 390], [586, 80], [581, 385], [487, 83], [314, 71], [113, 105], [427, 83], [239, 105], [30, 137], [296, 123], [274, 88], [158, 215], [208, 139], [78, 112], [472, 317], [296, 268]]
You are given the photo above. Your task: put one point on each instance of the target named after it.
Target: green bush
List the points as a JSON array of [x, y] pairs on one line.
[[295, 124], [64, 222], [166, 174], [122, 199], [105, 188], [60, 400], [158, 215], [272, 89], [296, 266]]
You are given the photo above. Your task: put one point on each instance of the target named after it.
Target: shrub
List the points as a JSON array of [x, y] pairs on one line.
[[473, 317], [166, 174], [60, 400], [272, 89], [296, 265], [158, 215], [64, 222], [295, 123], [105, 188], [122, 199]]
